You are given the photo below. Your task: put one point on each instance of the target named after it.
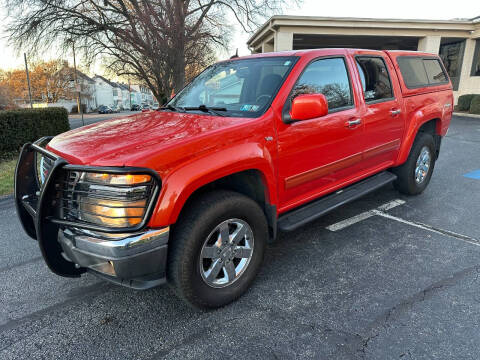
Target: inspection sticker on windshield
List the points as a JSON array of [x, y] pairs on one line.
[[249, 107]]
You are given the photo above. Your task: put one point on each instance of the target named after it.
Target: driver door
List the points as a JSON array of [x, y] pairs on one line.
[[318, 154]]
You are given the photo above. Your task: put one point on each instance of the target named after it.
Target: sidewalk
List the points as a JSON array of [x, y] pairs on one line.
[[473, 116]]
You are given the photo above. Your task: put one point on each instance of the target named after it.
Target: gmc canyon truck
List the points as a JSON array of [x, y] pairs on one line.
[[191, 194]]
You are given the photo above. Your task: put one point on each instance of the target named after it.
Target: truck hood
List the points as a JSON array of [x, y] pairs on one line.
[[131, 140]]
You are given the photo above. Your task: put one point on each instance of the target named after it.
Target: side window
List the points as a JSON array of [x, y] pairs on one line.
[[420, 72], [413, 71], [375, 79], [328, 77], [434, 71]]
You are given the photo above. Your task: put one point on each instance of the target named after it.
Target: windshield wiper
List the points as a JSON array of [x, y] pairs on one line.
[[204, 108], [172, 108]]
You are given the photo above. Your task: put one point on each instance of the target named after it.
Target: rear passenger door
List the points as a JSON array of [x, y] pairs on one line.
[[382, 115]]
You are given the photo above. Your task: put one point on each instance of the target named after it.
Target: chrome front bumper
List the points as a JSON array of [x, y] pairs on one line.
[[135, 260], [131, 256]]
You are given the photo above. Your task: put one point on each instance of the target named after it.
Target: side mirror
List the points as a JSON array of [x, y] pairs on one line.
[[308, 106]]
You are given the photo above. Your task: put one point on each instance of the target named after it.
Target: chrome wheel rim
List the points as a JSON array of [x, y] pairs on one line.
[[226, 253], [423, 165]]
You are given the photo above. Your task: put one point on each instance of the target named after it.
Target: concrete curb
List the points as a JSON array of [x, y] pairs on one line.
[[6, 197], [472, 116]]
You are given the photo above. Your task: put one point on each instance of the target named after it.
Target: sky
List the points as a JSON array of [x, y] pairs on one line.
[[406, 9]]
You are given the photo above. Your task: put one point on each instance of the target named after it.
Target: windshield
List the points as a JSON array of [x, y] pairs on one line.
[[237, 87]]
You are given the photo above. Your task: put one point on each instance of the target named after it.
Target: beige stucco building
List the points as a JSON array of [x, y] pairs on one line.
[[456, 41]]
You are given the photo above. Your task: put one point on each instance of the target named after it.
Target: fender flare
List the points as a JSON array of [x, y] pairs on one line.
[[419, 118], [182, 182]]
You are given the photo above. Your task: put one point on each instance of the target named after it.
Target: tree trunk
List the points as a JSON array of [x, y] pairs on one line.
[[179, 71], [179, 58]]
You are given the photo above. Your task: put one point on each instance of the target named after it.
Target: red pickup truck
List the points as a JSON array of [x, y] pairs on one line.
[[192, 193]]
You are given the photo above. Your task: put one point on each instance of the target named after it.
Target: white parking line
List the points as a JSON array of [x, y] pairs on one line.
[[380, 211], [365, 215], [429, 228]]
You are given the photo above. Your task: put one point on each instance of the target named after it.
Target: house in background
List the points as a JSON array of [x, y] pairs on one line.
[[104, 93], [120, 95], [135, 96], [94, 92], [87, 92], [456, 41], [125, 96], [65, 79], [145, 95]]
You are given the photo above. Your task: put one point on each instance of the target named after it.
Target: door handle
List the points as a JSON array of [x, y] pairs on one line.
[[353, 123], [395, 112]]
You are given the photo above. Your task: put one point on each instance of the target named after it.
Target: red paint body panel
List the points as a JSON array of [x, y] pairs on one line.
[[298, 161]]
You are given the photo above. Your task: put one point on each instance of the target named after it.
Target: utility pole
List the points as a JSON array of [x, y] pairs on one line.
[[28, 80], [130, 93], [79, 102]]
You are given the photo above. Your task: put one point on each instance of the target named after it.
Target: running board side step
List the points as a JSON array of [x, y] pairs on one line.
[[292, 220]]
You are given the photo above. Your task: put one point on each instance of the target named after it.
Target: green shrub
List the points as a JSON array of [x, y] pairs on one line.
[[475, 105], [26, 125], [464, 102]]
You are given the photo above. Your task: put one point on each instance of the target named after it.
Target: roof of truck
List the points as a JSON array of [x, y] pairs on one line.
[[329, 51]]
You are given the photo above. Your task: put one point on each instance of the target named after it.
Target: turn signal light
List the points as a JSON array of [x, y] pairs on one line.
[[111, 179]]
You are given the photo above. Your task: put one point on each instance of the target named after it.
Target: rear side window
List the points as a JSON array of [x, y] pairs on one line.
[[375, 79], [435, 72], [421, 72], [328, 77]]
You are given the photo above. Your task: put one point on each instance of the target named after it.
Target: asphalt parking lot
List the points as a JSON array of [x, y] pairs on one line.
[[368, 281]]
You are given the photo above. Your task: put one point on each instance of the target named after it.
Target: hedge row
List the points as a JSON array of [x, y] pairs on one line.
[[470, 103], [475, 105], [26, 125]]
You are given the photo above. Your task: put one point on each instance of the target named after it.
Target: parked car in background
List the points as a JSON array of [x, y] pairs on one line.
[[116, 109], [192, 193], [135, 107], [146, 107], [104, 109]]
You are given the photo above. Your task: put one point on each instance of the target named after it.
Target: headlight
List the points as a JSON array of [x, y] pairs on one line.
[[109, 200], [111, 212]]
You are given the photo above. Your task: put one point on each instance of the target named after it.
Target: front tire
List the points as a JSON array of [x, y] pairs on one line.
[[216, 249], [415, 174]]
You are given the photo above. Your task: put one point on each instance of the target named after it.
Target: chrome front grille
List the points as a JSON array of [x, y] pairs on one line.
[[78, 194]]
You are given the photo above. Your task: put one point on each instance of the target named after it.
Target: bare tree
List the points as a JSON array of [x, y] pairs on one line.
[[152, 40]]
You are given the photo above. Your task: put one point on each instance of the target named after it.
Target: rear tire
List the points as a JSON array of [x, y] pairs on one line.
[[216, 249], [415, 174]]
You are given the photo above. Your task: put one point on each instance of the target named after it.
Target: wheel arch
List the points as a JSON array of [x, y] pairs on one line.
[[431, 126], [251, 183], [245, 168]]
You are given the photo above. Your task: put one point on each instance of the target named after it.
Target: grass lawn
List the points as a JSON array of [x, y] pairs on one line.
[[7, 170]]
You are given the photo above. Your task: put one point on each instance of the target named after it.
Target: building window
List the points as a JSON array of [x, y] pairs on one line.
[[375, 79], [330, 78], [476, 60], [451, 54]]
